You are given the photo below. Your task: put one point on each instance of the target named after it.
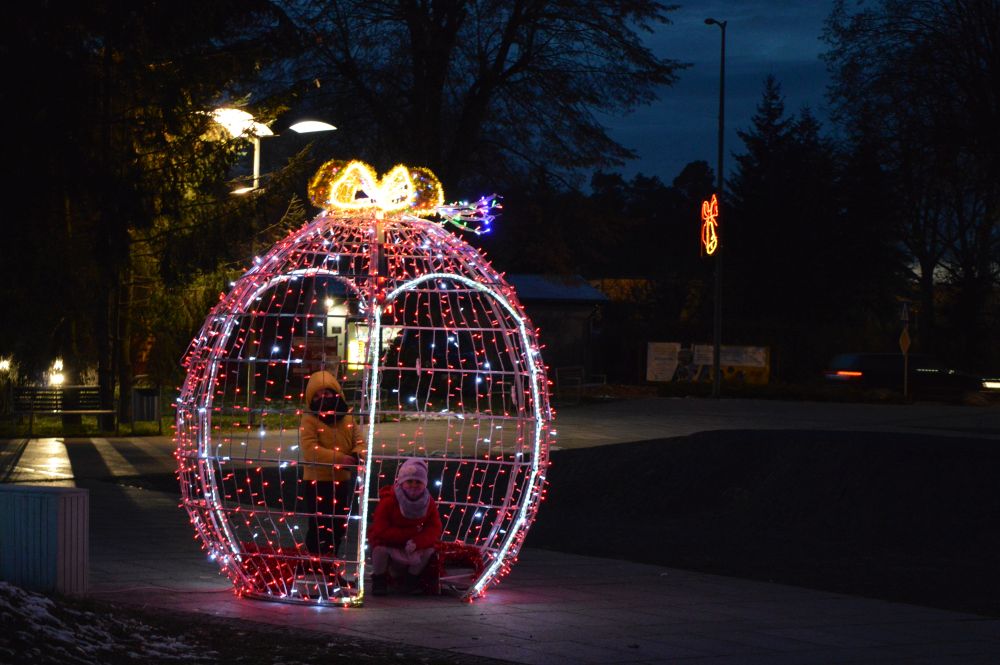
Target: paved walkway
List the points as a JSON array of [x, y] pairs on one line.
[[553, 608]]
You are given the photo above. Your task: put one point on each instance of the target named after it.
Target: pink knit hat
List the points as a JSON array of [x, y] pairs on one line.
[[412, 469]]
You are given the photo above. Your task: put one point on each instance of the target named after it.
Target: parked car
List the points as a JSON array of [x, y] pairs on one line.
[[926, 377]]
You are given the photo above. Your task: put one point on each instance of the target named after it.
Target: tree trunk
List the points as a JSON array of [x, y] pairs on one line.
[[123, 346]]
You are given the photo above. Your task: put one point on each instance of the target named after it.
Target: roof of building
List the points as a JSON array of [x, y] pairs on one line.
[[564, 288]]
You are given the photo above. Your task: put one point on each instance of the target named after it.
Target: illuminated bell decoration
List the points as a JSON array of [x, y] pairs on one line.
[[710, 225], [433, 352]]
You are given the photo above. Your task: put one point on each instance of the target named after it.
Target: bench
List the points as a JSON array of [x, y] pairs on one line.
[[58, 401]]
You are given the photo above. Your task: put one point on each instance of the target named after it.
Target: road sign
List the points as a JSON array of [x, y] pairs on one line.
[[904, 340]]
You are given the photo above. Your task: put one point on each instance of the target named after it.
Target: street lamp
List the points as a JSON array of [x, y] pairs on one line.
[[720, 184], [56, 375], [310, 126], [241, 124]]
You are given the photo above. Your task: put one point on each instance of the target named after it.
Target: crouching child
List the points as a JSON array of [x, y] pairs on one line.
[[404, 530]]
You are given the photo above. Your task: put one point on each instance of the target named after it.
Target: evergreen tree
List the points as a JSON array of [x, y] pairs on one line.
[[793, 244], [118, 146]]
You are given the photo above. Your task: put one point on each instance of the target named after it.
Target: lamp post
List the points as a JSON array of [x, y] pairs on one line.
[[241, 124], [720, 184]]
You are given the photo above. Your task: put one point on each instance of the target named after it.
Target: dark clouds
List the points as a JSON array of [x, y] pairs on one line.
[[779, 37]]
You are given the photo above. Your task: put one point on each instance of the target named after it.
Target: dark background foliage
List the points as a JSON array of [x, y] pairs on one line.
[[119, 231]]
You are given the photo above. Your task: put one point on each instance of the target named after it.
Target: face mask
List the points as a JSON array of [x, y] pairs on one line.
[[327, 406]]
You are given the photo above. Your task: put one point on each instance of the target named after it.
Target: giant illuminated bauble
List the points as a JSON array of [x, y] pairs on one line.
[[439, 362]]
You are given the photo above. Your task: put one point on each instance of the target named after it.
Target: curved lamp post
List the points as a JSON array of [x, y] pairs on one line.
[[241, 124]]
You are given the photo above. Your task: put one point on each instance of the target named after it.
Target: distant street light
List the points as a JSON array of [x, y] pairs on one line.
[[241, 124], [720, 185], [56, 375]]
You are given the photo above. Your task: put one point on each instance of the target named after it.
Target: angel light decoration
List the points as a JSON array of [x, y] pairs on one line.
[[431, 349]]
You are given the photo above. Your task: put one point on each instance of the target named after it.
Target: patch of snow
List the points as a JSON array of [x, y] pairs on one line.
[[39, 628]]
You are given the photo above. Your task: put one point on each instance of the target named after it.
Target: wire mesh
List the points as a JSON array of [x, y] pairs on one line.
[[438, 360]]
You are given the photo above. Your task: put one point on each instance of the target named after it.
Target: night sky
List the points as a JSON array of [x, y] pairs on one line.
[[779, 37]]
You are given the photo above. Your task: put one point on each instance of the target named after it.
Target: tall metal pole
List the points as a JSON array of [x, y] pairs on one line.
[[720, 184]]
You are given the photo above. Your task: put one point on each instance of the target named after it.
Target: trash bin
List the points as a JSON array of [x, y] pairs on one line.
[[70, 401], [45, 533]]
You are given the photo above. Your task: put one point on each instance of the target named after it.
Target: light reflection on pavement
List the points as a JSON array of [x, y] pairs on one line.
[[44, 460], [58, 460]]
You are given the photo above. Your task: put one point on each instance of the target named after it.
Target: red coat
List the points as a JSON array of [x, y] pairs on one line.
[[391, 529]]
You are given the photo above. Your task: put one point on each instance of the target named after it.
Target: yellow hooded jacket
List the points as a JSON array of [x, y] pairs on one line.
[[326, 446]]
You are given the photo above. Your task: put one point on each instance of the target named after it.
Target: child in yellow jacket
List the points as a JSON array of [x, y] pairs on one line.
[[330, 442]]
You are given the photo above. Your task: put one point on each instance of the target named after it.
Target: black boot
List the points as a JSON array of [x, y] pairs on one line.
[[380, 585], [412, 585]]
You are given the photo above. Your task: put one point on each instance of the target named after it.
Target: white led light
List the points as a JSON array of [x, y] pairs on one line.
[[465, 303]]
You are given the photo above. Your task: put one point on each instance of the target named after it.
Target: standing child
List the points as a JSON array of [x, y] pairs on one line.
[[405, 527], [330, 441]]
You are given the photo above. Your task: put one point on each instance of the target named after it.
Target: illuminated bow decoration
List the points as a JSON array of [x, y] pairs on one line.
[[354, 185], [710, 224]]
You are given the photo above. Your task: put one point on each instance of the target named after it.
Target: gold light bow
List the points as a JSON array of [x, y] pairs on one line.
[[354, 185]]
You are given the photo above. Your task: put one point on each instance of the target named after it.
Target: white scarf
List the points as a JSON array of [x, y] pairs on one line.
[[412, 509]]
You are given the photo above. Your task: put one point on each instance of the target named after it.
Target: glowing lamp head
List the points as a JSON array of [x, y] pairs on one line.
[[311, 126], [240, 123]]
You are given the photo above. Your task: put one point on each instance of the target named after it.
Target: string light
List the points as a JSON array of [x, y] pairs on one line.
[[434, 352], [354, 186], [710, 225]]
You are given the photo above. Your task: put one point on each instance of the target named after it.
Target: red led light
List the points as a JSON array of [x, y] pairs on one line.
[[436, 357]]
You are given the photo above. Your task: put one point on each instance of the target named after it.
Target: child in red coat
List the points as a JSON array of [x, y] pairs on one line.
[[405, 527]]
